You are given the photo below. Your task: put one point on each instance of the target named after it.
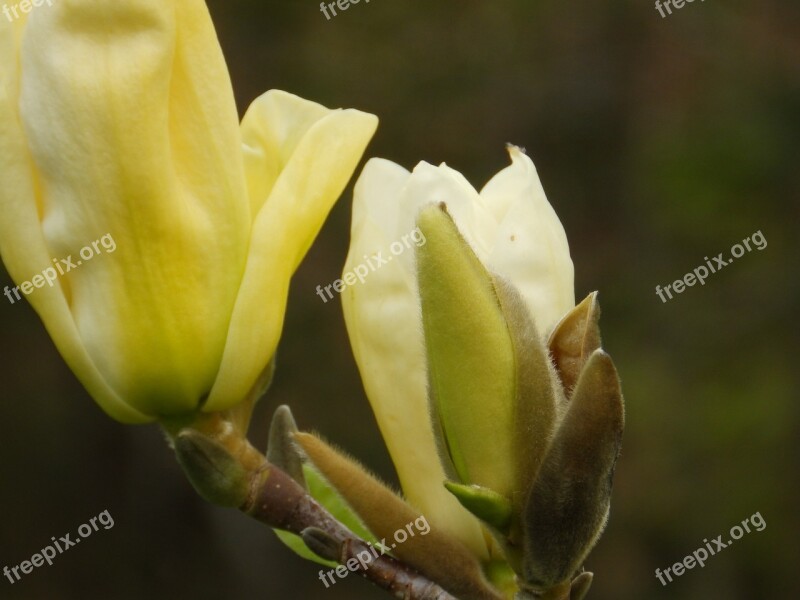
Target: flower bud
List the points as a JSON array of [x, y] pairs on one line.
[[214, 472], [118, 121], [508, 386], [470, 357], [568, 506], [513, 232]]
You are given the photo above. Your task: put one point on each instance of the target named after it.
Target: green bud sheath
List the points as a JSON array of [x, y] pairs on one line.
[[568, 506], [214, 473], [470, 356]]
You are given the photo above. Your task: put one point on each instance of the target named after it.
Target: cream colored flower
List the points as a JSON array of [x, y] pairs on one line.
[[514, 232]]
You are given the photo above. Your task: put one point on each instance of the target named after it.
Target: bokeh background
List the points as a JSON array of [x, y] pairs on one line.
[[659, 141]]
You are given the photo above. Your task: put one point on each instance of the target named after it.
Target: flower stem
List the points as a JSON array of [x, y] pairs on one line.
[[226, 469], [278, 501]]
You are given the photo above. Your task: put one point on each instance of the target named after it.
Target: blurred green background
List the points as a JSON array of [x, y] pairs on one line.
[[658, 140]]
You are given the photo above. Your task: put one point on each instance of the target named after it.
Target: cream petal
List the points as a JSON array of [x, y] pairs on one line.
[[530, 248], [430, 184]]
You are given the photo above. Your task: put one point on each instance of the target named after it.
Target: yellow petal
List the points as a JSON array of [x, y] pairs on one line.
[[22, 244], [133, 132], [318, 151]]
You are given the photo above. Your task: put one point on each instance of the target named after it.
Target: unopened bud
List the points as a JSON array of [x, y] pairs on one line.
[[215, 474]]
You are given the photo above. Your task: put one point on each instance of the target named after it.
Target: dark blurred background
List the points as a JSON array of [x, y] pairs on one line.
[[658, 140]]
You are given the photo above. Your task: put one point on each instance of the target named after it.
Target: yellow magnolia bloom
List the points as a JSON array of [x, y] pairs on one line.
[[513, 231], [118, 119]]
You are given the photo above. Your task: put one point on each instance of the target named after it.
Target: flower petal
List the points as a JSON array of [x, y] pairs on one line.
[[22, 244], [531, 247], [133, 129], [319, 161]]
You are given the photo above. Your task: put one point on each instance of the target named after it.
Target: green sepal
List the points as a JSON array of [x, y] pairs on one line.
[[284, 453], [296, 544], [501, 576], [489, 506]]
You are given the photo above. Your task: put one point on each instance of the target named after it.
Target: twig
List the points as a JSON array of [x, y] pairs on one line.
[[279, 501], [274, 498]]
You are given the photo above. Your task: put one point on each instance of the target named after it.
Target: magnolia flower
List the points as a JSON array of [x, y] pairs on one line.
[[501, 411], [118, 118], [513, 231]]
